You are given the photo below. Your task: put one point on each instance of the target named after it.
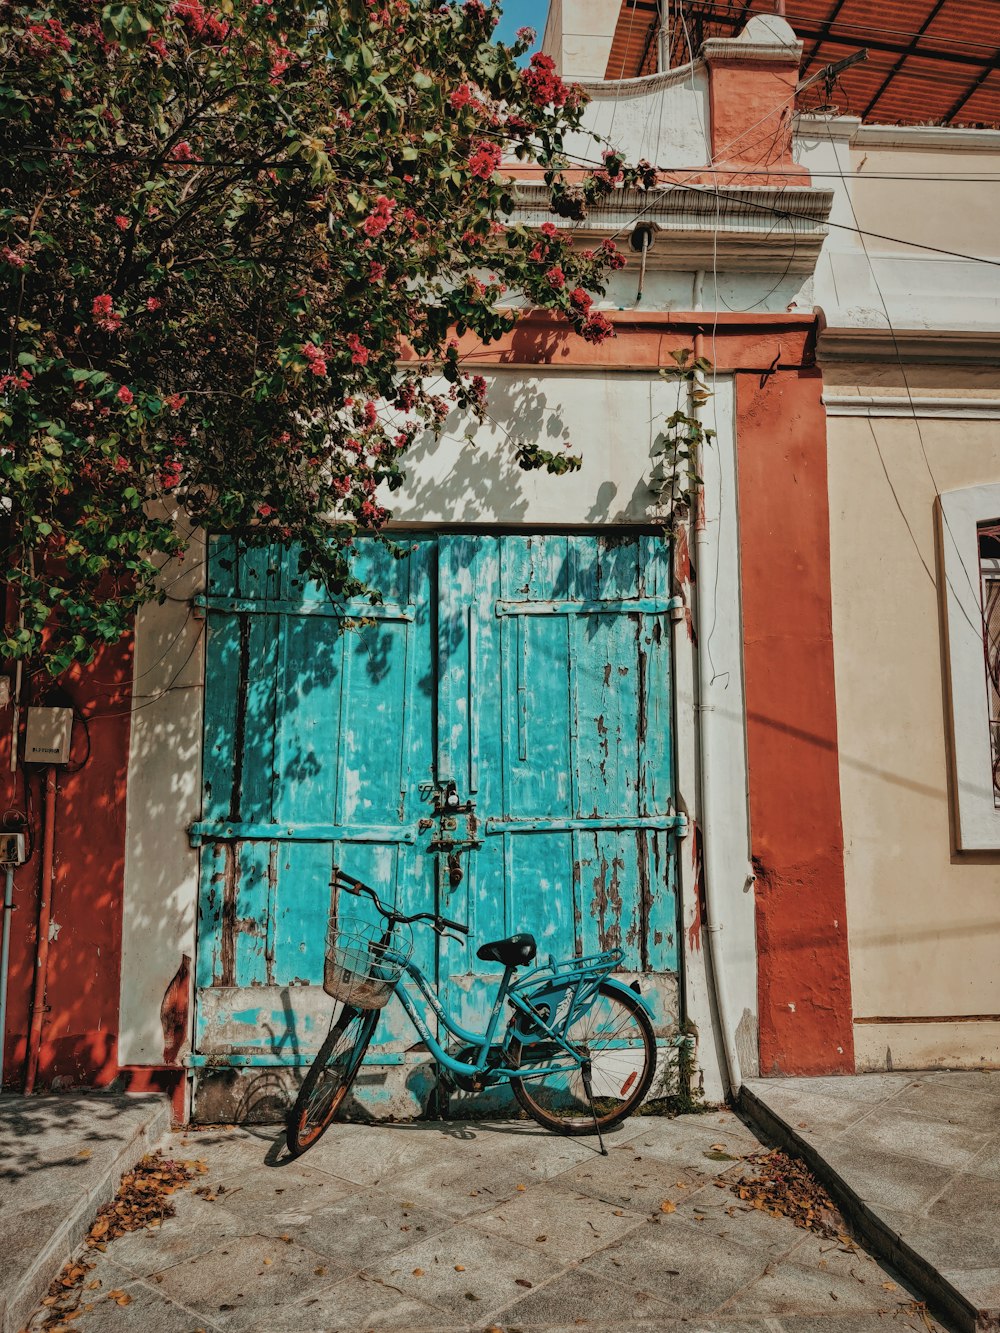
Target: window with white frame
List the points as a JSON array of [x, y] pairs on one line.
[[989, 578], [970, 551]]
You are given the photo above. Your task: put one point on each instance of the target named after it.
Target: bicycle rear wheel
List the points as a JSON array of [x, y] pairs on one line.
[[617, 1035], [330, 1076]]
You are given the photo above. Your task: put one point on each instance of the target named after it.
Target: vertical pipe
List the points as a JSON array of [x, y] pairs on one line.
[[42, 943], [663, 39], [8, 907], [709, 841]]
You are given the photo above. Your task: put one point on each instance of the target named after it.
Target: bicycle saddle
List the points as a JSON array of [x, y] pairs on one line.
[[514, 951]]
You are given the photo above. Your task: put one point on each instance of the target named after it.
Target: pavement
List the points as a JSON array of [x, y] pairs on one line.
[[61, 1158], [914, 1161], [482, 1226]]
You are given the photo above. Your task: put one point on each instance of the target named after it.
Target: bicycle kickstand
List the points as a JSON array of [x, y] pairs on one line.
[[588, 1088]]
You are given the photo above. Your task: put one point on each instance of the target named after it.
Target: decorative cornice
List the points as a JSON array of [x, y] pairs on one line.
[[883, 346], [766, 39], [892, 405], [917, 138], [611, 90], [741, 228]]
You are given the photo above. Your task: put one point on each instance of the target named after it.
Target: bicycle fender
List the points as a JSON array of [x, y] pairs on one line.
[[616, 984]]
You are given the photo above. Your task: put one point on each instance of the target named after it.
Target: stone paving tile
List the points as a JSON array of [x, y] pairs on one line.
[[939, 1142], [945, 1244], [591, 1297], [969, 1197], [639, 1181], [359, 1229], [465, 1272], [243, 1280], [979, 1285], [720, 1213], [796, 1289], [558, 1222], [900, 1321], [987, 1162], [355, 1304], [471, 1177], [946, 1099], [685, 1265], [869, 1088], [148, 1311], [265, 1191], [817, 1113], [374, 1154], [882, 1178]]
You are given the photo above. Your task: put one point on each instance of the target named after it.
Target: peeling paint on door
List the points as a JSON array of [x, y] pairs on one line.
[[530, 672]]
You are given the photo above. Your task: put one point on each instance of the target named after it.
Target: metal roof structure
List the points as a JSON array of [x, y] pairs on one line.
[[930, 62]]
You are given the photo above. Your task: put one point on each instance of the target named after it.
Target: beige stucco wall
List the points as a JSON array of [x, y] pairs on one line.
[[936, 197], [923, 920]]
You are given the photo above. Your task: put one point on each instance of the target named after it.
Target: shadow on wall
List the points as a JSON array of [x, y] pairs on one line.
[[472, 473]]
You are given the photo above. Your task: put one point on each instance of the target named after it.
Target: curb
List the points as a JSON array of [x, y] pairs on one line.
[[942, 1297], [17, 1305]]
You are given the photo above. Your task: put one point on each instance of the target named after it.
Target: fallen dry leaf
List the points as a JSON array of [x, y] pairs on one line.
[[521, 1188], [523, 1282], [541, 1238], [460, 1268], [784, 1187], [667, 1207], [320, 1272], [418, 1272]]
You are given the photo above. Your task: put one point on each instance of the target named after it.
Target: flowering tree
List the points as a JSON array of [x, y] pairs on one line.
[[218, 226]]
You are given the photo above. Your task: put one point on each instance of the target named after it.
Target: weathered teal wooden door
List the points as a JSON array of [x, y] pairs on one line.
[[555, 724], [531, 674]]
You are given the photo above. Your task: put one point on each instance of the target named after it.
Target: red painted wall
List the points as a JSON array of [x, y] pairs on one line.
[[795, 823], [80, 1031]]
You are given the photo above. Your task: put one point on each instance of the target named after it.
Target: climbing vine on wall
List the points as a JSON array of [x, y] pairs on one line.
[[685, 437]]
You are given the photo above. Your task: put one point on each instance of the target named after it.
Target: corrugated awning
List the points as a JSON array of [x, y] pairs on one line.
[[931, 62]]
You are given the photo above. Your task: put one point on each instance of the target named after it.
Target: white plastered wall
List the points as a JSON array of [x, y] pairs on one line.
[[164, 798]]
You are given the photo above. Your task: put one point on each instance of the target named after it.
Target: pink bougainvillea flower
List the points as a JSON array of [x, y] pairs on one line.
[[379, 219], [125, 395], [485, 160], [359, 354]]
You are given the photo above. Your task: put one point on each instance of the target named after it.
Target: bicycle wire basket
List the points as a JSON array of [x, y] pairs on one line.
[[360, 968]]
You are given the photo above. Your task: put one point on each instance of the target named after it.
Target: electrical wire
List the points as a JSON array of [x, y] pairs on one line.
[[982, 630]]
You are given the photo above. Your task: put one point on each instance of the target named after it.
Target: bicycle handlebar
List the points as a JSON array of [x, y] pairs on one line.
[[357, 887]]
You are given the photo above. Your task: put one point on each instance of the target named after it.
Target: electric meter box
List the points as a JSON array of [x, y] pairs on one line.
[[12, 849], [48, 735]]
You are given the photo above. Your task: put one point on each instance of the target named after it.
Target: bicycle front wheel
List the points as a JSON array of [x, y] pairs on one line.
[[330, 1076], [615, 1034]]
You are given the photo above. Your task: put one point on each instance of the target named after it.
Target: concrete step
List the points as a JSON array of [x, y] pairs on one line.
[[913, 1162], [61, 1157]]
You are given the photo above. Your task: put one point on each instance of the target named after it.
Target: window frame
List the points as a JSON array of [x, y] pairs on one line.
[[962, 513]]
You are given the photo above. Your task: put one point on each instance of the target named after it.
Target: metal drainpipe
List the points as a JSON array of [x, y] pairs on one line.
[[8, 908], [44, 920], [709, 843]]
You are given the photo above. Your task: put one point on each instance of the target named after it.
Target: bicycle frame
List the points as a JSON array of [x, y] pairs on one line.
[[576, 973]]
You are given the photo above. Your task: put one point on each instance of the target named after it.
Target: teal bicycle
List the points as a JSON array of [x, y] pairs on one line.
[[578, 1050]]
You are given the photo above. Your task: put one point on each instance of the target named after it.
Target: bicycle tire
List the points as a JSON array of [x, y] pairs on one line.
[[330, 1077], [558, 1102]]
